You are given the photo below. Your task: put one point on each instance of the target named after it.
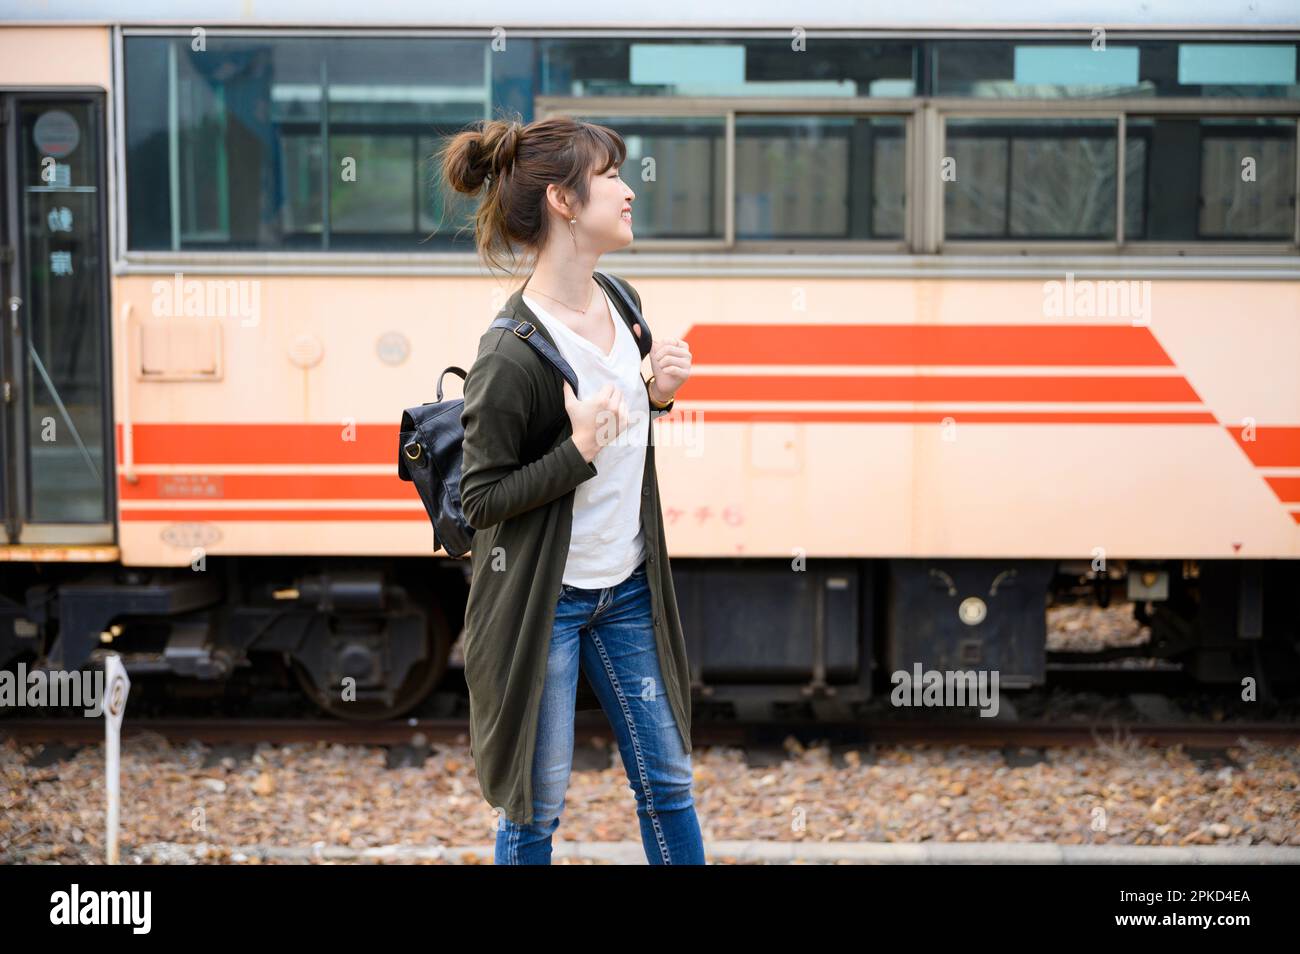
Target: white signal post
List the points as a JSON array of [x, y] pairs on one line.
[[118, 686]]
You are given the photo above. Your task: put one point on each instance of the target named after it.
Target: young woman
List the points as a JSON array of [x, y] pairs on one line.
[[569, 565]]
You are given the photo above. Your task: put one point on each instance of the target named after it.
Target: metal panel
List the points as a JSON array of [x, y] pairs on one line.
[[926, 625], [761, 621]]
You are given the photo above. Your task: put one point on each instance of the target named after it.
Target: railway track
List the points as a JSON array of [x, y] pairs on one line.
[[451, 731]]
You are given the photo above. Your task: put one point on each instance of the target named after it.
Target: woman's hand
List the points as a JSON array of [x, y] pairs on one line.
[[670, 363], [598, 420]]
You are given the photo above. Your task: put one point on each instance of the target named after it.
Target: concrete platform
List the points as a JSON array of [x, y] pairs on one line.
[[769, 852]]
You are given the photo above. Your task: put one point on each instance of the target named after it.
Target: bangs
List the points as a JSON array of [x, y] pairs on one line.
[[601, 148]]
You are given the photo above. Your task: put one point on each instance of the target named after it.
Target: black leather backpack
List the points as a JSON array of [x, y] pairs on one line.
[[429, 447]]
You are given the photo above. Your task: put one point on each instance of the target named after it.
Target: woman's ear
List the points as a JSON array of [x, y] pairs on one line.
[[557, 199]]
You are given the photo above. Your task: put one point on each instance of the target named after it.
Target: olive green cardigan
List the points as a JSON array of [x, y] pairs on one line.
[[518, 478]]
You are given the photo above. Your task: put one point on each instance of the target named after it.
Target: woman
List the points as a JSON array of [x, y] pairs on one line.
[[569, 565]]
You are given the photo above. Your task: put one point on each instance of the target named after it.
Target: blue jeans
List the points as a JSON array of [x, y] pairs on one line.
[[611, 630]]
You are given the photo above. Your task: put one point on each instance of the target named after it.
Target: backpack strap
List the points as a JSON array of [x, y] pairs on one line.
[[631, 313], [527, 331]]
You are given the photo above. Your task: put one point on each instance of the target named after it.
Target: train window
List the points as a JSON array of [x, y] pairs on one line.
[[1112, 65], [1030, 179], [1047, 70], [1238, 69], [1210, 179], [61, 447], [286, 143], [314, 143], [820, 177], [741, 66]]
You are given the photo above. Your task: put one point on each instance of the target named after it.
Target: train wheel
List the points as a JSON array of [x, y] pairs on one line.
[[419, 682]]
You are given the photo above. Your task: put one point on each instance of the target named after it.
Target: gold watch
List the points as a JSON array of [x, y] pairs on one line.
[[658, 406]]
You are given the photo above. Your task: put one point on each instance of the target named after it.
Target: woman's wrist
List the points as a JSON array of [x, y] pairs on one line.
[[587, 446], [652, 387]]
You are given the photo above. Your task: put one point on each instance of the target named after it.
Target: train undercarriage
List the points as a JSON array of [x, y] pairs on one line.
[[370, 639]]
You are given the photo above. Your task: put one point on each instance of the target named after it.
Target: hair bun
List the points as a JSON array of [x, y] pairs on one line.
[[503, 140]]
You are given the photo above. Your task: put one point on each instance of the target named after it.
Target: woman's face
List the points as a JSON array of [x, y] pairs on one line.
[[607, 219]]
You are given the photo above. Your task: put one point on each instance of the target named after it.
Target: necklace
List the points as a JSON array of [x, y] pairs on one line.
[[581, 311]]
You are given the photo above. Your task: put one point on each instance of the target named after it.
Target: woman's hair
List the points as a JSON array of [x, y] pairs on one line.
[[518, 162]]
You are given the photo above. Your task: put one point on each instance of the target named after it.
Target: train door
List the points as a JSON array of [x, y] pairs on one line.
[[56, 436]]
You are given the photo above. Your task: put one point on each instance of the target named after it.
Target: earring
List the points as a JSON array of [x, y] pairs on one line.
[[572, 221]]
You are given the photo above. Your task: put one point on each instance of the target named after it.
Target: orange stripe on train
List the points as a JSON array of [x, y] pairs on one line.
[[279, 516], [1065, 345], [303, 486], [1286, 488], [288, 444], [1271, 447], [844, 387], [263, 444]]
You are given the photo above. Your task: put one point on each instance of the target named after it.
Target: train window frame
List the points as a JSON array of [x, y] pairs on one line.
[[1294, 117], [728, 108], [922, 245], [1119, 111], [972, 242]]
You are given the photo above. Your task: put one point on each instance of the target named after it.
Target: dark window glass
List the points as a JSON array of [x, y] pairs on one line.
[[726, 67], [1192, 179], [819, 177], [302, 142], [1029, 179], [60, 252], [1008, 68]]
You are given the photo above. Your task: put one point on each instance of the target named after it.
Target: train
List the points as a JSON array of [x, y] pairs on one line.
[[986, 312]]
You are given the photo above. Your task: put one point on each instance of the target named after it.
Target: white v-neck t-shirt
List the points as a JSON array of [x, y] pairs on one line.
[[607, 542]]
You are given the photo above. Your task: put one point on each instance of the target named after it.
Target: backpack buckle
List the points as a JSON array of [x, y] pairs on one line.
[[413, 450], [531, 329]]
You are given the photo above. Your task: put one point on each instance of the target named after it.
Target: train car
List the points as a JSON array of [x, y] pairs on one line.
[[986, 309]]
